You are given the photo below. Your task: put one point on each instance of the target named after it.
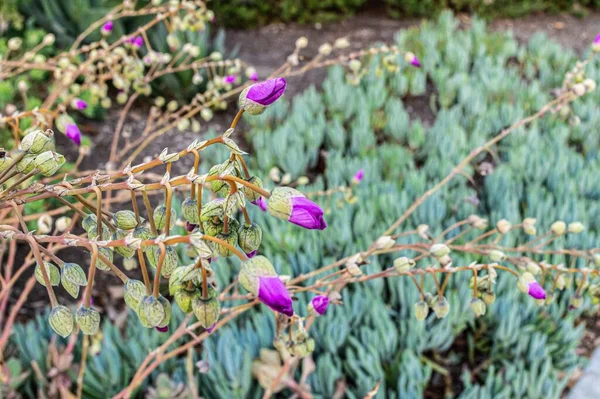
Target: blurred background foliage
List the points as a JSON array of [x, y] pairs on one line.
[[476, 83]]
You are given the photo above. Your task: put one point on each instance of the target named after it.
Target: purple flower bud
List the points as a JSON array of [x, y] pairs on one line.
[[211, 328], [536, 291], [229, 78], [254, 76], [307, 214], [137, 41], [261, 203], [251, 254], [107, 27], [162, 329], [320, 304], [73, 133], [597, 40], [80, 104], [189, 226], [267, 92], [272, 292], [415, 62], [358, 176]]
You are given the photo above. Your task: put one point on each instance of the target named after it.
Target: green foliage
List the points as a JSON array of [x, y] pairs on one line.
[[480, 82]]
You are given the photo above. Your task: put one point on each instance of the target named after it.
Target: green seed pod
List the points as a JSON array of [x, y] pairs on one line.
[[213, 209], [133, 293], [429, 299], [441, 308], [125, 220], [179, 277], [74, 274], [71, 288], [576, 227], [189, 208], [170, 263], [26, 164], [497, 256], [35, 141], [88, 320], [5, 161], [558, 228], [184, 299], [49, 162], [143, 318], [211, 228], [61, 320], [421, 310], [249, 237], [108, 254], [280, 202], [439, 250], [122, 250], [151, 256], [478, 307], [206, 310], [252, 269], [144, 233], [523, 282], [51, 270], [152, 309], [89, 222], [219, 186], [168, 311], [231, 238], [250, 194], [576, 301], [488, 297], [403, 264], [160, 217], [303, 349]]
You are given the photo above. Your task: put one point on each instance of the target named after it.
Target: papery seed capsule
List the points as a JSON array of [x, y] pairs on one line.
[[576, 301], [108, 254], [152, 309], [558, 228], [250, 194], [143, 318], [74, 274], [212, 229], [213, 209], [576, 227], [89, 222], [421, 310], [560, 282], [231, 238], [61, 320], [88, 320], [189, 208], [122, 249], [36, 141], [403, 264], [497, 256], [184, 299], [478, 307], [26, 164], [439, 250], [133, 293], [441, 308], [160, 217], [179, 277], [125, 220], [249, 237], [503, 226], [488, 297], [171, 260], [168, 311], [143, 233], [49, 162], [5, 161], [206, 310], [220, 187], [52, 272]]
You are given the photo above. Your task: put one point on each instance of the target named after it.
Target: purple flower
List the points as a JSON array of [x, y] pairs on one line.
[[358, 176], [267, 92], [229, 78], [272, 292], [597, 40], [320, 304], [79, 104], [211, 328], [107, 27], [251, 254], [162, 329], [261, 203], [137, 41], [536, 291], [415, 62], [254, 76], [73, 133], [307, 214], [189, 226]]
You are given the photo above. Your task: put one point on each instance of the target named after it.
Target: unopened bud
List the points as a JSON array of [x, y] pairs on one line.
[[403, 264], [576, 227], [503, 226], [488, 297], [384, 242], [497, 256], [125, 220], [558, 228], [478, 307], [439, 250], [576, 301], [421, 310], [441, 307]]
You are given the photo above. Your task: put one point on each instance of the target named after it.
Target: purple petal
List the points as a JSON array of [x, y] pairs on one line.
[[73, 133], [597, 39], [254, 76], [137, 41], [251, 254], [536, 291], [320, 304], [307, 214], [267, 92], [415, 62], [80, 104], [261, 203], [272, 292], [358, 176], [211, 328], [190, 227], [229, 78], [162, 329]]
